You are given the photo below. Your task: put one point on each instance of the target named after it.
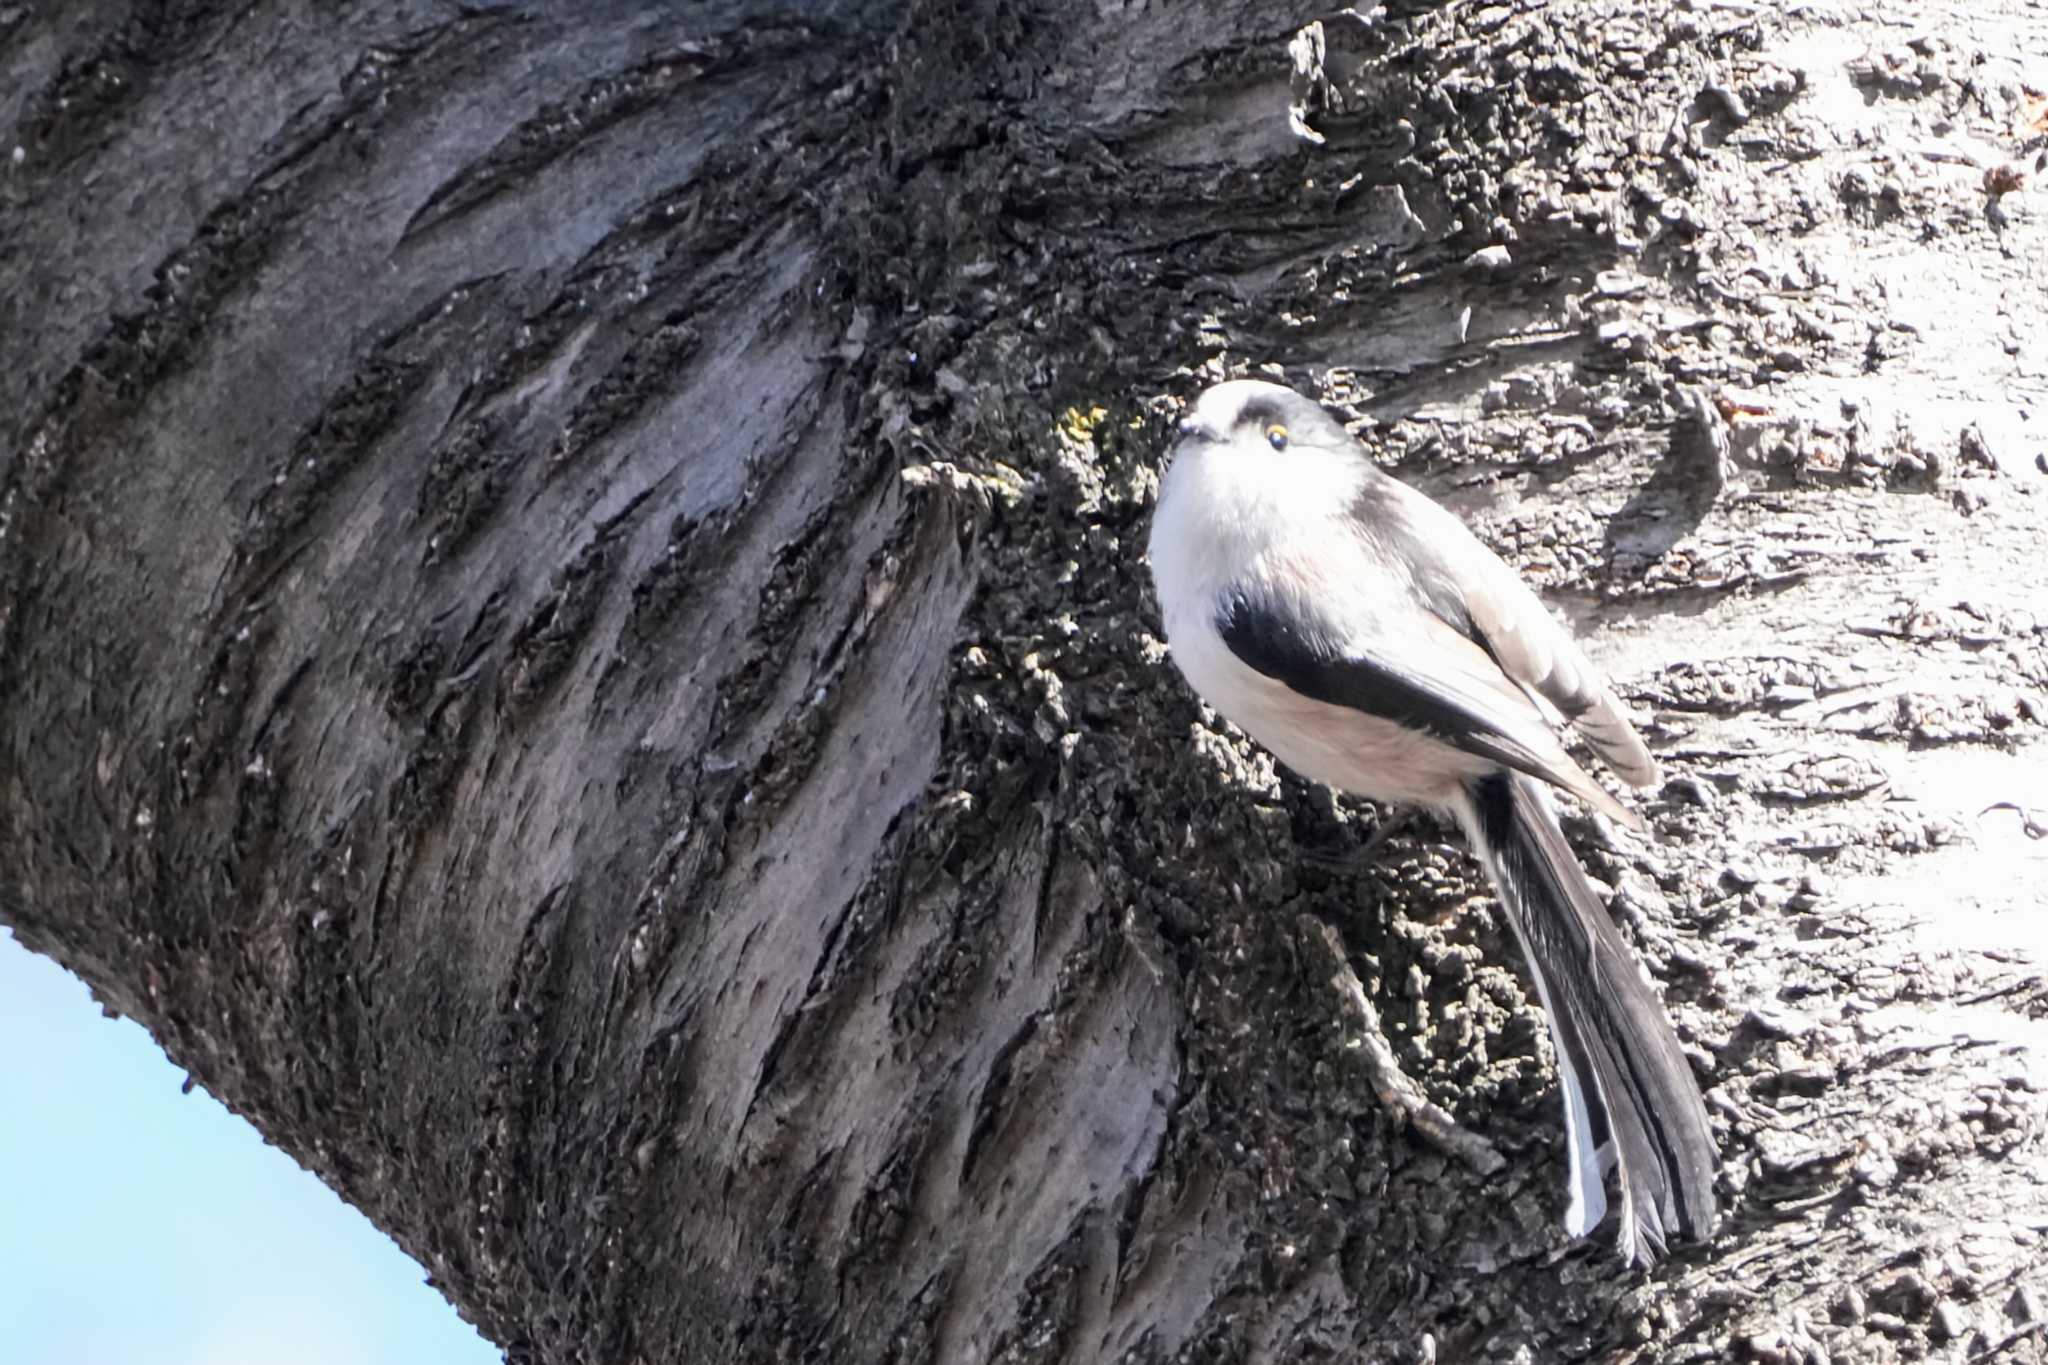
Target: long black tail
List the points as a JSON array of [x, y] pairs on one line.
[[1630, 1101]]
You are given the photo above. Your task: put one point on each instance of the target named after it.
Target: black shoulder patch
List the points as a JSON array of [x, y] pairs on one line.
[[1311, 663]]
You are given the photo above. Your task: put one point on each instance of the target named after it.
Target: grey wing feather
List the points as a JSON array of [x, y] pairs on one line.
[[1533, 648], [1460, 668]]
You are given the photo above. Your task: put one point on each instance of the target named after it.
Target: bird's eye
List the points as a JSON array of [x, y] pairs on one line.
[[1276, 436]]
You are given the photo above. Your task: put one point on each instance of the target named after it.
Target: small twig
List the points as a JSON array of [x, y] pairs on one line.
[[1401, 1096]]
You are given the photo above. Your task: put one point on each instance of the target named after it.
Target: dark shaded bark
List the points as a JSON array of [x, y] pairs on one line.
[[574, 646]]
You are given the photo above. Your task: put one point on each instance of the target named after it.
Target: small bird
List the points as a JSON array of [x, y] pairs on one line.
[[1365, 636]]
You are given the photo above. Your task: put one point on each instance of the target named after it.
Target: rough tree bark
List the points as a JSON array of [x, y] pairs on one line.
[[574, 646]]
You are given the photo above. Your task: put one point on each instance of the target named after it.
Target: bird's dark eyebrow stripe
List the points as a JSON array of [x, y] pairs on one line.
[[1259, 410], [1270, 642]]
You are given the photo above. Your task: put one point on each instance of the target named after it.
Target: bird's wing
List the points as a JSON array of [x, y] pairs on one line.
[[1419, 671], [1521, 634]]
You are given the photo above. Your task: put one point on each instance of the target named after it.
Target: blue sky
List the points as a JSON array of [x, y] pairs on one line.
[[141, 1226]]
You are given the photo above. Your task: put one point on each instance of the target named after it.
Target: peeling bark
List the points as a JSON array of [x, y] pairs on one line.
[[575, 648]]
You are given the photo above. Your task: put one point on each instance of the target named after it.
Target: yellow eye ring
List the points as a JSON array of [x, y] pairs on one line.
[[1276, 436]]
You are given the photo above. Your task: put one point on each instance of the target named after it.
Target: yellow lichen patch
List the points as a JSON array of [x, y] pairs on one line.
[[1078, 424]]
